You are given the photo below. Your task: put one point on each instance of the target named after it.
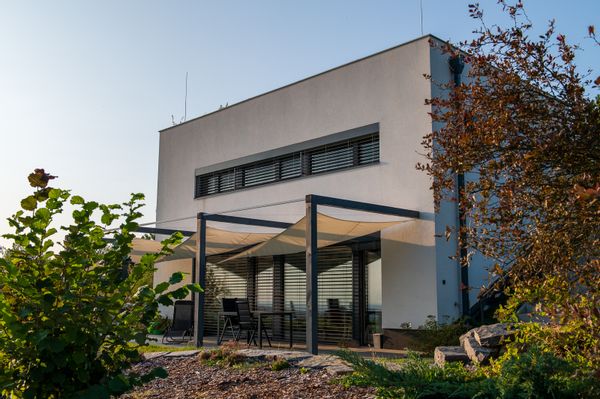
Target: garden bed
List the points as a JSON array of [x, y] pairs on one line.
[[191, 377]]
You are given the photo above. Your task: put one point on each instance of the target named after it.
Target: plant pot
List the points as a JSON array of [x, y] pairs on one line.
[[377, 341]]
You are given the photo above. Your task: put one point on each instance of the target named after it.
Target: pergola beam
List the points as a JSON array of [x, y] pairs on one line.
[[247, 221], [363, 206], [156, 230]]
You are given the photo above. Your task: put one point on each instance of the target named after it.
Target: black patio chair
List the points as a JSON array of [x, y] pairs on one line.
[[230, 319], [182, 327], [248, 323]]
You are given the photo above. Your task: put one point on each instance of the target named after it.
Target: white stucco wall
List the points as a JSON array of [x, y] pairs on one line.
[[387, 88]]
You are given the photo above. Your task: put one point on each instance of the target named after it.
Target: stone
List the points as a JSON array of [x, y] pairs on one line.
[[477, 353], [270, 354], [182, 353], [465, 336], [331, 364], [443, 354], [153, 355], [492, 335]]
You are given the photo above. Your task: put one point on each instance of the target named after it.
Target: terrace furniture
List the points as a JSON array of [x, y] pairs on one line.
[[262, 314], [248, 323], [230, 317], [182, 327]]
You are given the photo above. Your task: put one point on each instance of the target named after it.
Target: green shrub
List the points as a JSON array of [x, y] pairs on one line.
[[74, 313], [434, 334], [533, 374]]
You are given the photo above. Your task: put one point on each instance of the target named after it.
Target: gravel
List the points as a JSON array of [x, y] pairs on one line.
[[189, 378]]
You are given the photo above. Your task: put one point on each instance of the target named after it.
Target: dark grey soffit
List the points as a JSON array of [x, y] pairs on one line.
[[305, 145]]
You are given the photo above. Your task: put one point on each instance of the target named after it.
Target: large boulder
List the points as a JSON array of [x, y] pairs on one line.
[[443, 354], [492, 335], [477, 353]]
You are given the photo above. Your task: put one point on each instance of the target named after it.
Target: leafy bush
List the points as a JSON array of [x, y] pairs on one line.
[[534, 374], [434, 334], [74, 313]]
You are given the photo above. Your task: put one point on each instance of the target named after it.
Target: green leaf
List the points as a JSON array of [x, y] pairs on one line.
[[43, 214], [164, 300], [54, 193], [195, 287], [180, 293], [140, 338], [119, 384], [160, 288], [77, 200], [29, 203], [159, 372], [176, 277]]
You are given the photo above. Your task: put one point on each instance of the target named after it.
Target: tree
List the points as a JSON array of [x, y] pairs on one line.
[[74, 313], [522, 127]]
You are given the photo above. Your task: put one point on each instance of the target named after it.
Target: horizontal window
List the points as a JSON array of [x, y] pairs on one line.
[[346, 154]]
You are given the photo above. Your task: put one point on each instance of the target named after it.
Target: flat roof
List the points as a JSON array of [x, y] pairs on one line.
[[302, 80]]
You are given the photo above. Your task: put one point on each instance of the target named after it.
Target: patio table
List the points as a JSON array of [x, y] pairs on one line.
[[263, 313]]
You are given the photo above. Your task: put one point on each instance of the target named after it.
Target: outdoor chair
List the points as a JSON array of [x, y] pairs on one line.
[[182, 327], [229, 308], [248, 323]]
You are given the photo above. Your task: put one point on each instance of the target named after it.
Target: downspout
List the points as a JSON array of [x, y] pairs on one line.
[[457, 65]]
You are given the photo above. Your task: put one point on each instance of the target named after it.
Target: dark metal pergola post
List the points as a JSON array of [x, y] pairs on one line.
[[312, 298], [201, 277]]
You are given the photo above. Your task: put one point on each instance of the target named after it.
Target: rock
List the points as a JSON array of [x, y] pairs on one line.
[[492, 335], [476, 352], [182, 353], [443, 354], [153, 355], [270, 354], [465, 336], [332, 364]]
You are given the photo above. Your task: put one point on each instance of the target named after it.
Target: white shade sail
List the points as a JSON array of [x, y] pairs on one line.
[[330, 231], [217, 242]]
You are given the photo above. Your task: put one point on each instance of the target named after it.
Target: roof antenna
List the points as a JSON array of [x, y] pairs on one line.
[[421, 4], [185, 101]]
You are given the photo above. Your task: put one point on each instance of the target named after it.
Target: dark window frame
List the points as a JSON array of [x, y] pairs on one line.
[[364, 150]]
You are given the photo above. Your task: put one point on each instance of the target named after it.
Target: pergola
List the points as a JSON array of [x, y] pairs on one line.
[[312, 203]]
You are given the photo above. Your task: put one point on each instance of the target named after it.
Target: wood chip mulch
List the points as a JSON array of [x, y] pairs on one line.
[[189, 378]]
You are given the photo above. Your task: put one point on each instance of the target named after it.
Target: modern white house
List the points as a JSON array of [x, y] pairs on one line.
[[352, 133]]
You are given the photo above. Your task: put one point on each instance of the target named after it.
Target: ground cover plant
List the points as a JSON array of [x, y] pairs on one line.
[[74, 313], [534, 374]]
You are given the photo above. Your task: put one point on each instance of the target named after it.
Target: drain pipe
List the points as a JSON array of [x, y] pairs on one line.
[[457, 65]]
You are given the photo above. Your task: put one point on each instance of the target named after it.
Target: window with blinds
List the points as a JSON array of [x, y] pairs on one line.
[[346, 154]]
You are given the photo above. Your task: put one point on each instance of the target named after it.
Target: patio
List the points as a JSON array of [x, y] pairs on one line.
[[324, 286]]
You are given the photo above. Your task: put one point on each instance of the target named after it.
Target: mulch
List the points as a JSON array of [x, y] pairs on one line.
[[189, 378]]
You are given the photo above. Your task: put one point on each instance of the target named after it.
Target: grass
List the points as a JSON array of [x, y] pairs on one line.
[[165, 348]]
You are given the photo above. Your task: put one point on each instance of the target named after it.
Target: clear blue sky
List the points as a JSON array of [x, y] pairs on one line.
[[85, 86]]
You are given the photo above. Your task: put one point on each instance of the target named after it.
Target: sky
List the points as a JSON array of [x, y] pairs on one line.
[[86, 86]]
